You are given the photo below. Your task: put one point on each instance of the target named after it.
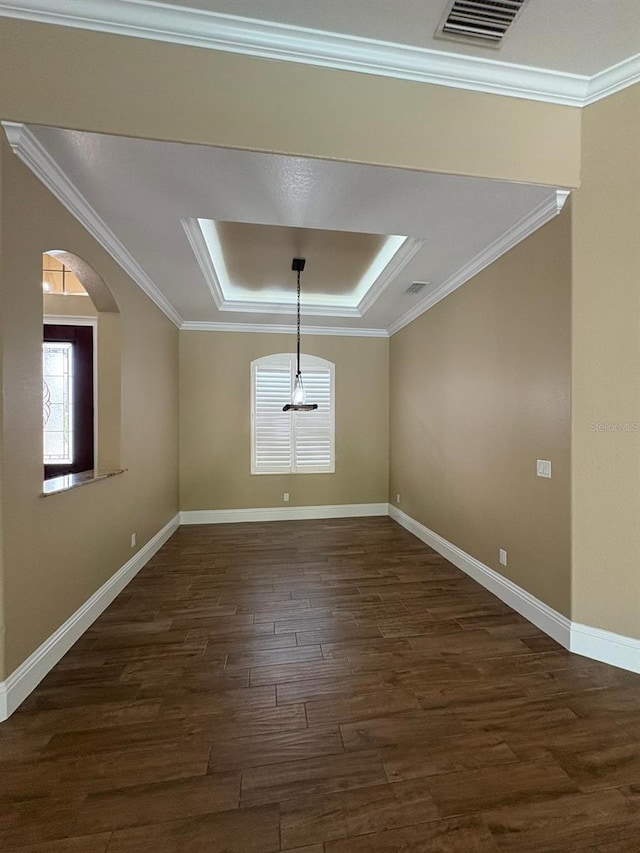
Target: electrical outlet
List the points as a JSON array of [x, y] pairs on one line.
[[503, 557], [543, 468], [398, 498], [286, 497], [133, 540]]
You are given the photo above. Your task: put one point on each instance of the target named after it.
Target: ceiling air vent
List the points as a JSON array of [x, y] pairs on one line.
[[483, 22], [416, 286]]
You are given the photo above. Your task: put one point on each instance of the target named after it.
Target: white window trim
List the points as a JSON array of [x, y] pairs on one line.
[[307, 362]]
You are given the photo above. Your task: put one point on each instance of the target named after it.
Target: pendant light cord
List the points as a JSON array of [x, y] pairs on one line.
[[298, 332]]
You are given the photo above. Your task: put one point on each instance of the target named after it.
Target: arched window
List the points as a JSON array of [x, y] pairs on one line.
[[292, 442]]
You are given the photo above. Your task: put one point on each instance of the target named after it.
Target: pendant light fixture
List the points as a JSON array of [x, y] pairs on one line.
[[298, 397]]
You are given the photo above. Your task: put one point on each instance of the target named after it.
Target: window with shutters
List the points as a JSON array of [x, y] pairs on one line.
[[292, 442]]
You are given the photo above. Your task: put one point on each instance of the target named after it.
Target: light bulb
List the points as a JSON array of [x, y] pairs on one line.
[[46, 286], [298, 398]]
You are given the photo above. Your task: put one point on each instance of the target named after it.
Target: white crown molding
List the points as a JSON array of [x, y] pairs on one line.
[[594, 643], [613, 80], [34, 155], [514, 235], [561, 199], [279, 513], [238, 306], [275, 329], [15, 689], [201, 250], [203, 257], [397, 263], [269, 40]]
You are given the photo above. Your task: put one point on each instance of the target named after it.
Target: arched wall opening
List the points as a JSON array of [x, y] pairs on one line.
[[74, 295]]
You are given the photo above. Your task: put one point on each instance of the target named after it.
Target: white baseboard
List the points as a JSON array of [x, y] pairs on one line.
[[22, 681], [605, 646], [281, 513], [544, 617]]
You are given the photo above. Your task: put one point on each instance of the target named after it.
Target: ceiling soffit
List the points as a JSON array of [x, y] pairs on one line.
[[463, 225]]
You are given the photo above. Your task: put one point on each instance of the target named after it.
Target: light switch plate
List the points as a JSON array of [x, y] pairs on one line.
[[503, 557], [543, 468]]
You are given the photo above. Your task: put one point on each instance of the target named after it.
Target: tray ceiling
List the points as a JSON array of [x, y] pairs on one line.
[[368, 232]]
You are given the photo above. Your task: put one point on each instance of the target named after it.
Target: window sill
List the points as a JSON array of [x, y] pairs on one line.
[[74, 481]]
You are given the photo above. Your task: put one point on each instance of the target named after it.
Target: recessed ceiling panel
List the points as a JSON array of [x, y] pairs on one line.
[[258, 258]]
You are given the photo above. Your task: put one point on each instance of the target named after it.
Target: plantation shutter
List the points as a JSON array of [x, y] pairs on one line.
[[272, 427], [312, 431], [292, 442]]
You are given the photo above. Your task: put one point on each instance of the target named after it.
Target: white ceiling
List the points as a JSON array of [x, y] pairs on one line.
[[574, 36], [136, 195]]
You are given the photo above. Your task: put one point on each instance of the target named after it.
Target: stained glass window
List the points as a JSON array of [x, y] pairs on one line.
[[57, 375]]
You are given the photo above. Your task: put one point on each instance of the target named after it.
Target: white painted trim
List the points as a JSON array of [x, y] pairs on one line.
[[70, 320], [561, 198], [614, 649], [240, 306], [270, 40], [200, 249], [275, 329], [546, 618], [514, 235], [34, 155], [613, 80], [278, 513], [396, 264], [22, 681]]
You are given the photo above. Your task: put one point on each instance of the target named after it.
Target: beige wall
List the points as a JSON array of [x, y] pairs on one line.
[[479, 391], [606, 368], [59, 305], [215, 425], [195, 95], [58, 550]]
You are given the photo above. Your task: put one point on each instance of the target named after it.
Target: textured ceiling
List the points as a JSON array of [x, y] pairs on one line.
[[573, 36]]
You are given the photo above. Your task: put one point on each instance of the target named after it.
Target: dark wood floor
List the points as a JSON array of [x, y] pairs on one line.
[[319, 687]]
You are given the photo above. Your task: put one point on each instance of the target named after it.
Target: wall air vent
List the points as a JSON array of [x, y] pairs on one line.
[[416, 286], [482, 22]]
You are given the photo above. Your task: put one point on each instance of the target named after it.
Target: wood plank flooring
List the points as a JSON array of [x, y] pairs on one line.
[[319, 687]]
